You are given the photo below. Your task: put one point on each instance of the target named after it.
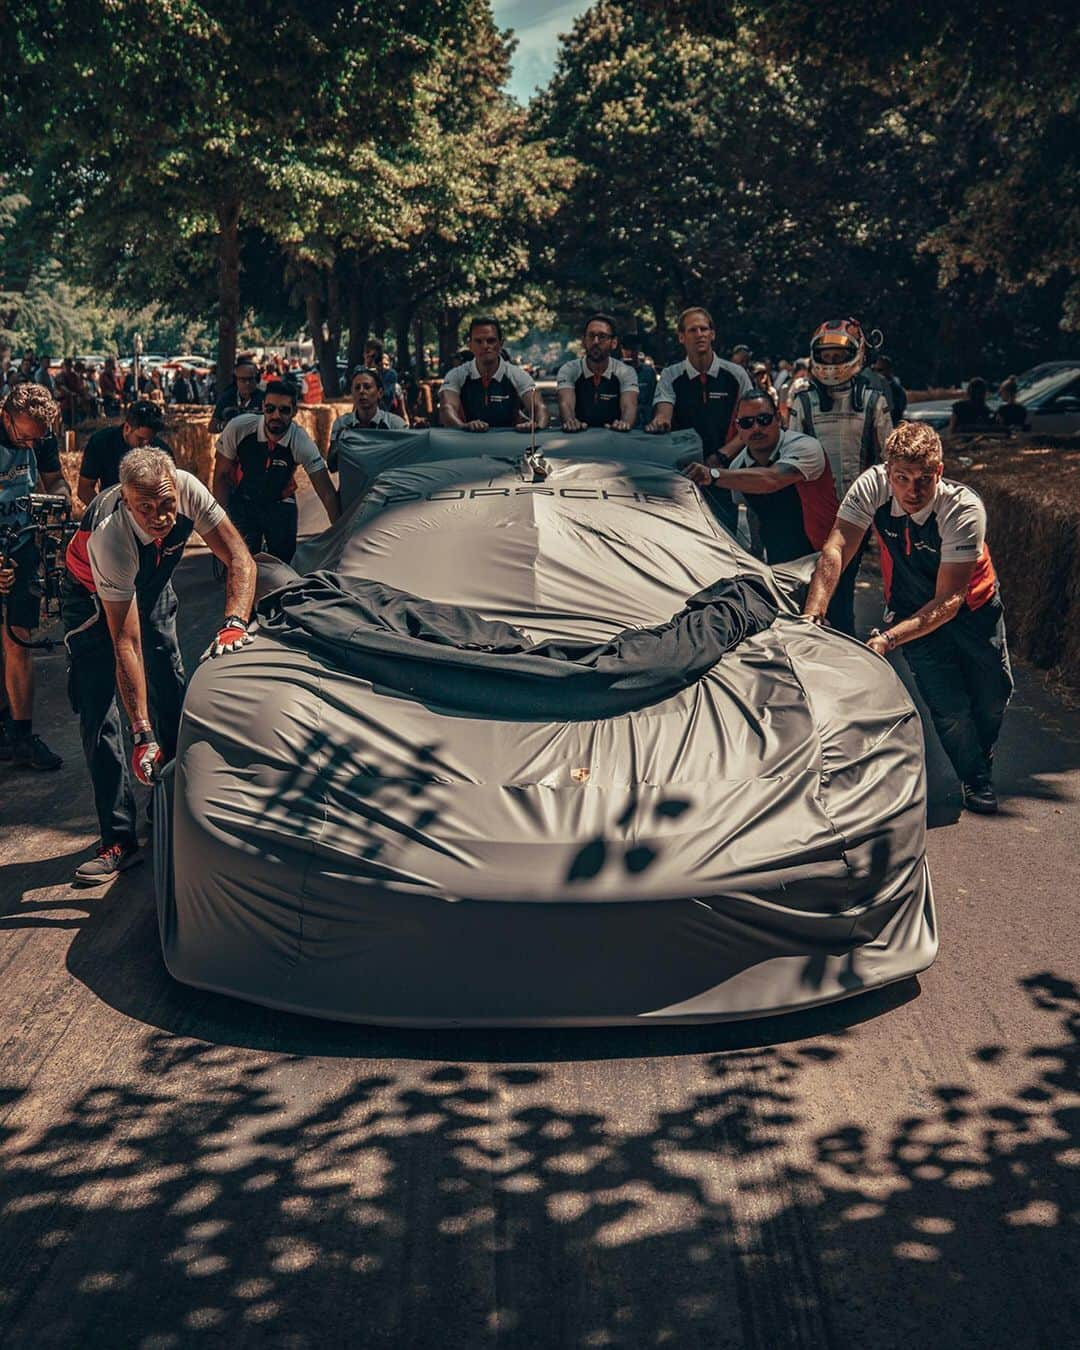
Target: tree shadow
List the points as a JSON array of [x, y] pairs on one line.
[[218, 1198]]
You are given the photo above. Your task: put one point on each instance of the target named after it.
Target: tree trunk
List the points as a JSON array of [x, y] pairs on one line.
[[379, 324], [418, 348], [359, 318], [315, 309], [328, 358], [449, 337], [402, 325], [228, 291], [661, 337]]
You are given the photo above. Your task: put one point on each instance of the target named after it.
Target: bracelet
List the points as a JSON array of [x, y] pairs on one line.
[[888, 635], [141, 725]]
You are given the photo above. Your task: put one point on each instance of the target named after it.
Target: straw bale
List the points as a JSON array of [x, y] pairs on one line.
[[187, 431], [1032, 498]]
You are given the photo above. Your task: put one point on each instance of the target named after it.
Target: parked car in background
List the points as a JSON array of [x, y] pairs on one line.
[[1050, 393]]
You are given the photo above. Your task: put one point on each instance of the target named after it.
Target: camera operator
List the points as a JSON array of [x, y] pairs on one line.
[[26, 415], [120, 617]]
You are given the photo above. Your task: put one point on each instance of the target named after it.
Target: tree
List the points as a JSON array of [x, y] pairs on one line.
[[153, 134], [477, 185], [988, 97]]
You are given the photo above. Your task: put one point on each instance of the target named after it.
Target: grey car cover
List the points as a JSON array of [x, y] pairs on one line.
[[523, 744]]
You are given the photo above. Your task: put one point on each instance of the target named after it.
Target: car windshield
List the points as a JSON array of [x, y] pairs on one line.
[[1052, 382]]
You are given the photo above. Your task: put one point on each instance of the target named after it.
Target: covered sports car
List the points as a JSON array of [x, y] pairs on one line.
[[533, 741]]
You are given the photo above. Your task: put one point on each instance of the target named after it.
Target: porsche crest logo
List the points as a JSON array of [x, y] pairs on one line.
[[580, 775]]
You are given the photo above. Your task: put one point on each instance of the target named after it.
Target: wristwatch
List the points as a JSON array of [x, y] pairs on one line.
[[888, 635], [714, 472]]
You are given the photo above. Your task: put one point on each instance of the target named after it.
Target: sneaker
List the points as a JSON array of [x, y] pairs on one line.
[[979, 796], [109, 861], [31, 752]]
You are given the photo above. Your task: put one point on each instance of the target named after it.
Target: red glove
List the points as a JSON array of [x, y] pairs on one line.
[[146, 758], [232, 635]]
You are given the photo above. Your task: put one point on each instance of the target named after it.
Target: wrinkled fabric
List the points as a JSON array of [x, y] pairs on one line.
[[452, 656], [384, 842]]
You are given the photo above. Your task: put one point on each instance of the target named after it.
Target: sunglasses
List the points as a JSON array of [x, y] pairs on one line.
[[282, 409], [762, 419]]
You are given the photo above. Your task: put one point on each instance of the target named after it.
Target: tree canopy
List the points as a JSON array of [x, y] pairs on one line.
[[359, 167]]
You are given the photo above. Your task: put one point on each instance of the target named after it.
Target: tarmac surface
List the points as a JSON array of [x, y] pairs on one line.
[[903, 1169]]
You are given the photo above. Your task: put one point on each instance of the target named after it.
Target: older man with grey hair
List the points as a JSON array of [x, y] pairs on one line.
[[120, 621]]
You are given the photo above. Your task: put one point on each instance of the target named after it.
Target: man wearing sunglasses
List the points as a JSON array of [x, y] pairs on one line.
[[255, 473], [784, 478], [243, 394], [846, 408]]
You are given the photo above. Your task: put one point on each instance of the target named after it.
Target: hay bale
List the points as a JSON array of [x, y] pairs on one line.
[[187, 430], [1032, 499]]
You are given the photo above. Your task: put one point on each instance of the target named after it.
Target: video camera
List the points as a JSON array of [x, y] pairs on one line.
[[50, 526]]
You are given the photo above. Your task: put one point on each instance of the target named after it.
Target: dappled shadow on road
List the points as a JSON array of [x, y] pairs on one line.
[[221, 1197]]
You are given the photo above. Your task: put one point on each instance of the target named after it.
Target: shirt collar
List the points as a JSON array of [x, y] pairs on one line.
[[745, 460], [919, 517], [693, 373], [473, 372], [261, 435], [586, 369]]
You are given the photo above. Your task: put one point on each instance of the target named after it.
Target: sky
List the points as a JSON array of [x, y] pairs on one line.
[[537, 25]]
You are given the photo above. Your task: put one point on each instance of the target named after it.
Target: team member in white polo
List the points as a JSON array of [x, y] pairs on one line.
[[489, 391], [120, 630], [596, 390], [367, 413], [255, 473], [942, 600]]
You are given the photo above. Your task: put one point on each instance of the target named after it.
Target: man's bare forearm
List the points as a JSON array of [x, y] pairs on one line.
[[240, 585], [934, 614], [755, 481], [823, 583], [131, 680]]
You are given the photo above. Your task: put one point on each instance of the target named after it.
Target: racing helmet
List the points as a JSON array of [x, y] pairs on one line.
[[845, 336]]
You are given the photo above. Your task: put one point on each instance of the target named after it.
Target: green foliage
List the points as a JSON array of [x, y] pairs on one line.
[[153, 134], [358, 167]]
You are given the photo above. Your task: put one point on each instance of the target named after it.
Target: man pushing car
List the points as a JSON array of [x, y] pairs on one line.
[[942, 600], [120, 622]]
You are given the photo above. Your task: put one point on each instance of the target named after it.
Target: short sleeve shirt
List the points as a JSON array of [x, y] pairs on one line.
[[951, 529], [572, 371], [296, 440], [520, 378], [794, 451], [958, 512], [18, 476], [116, 547], [382, 421], [104, 451]]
